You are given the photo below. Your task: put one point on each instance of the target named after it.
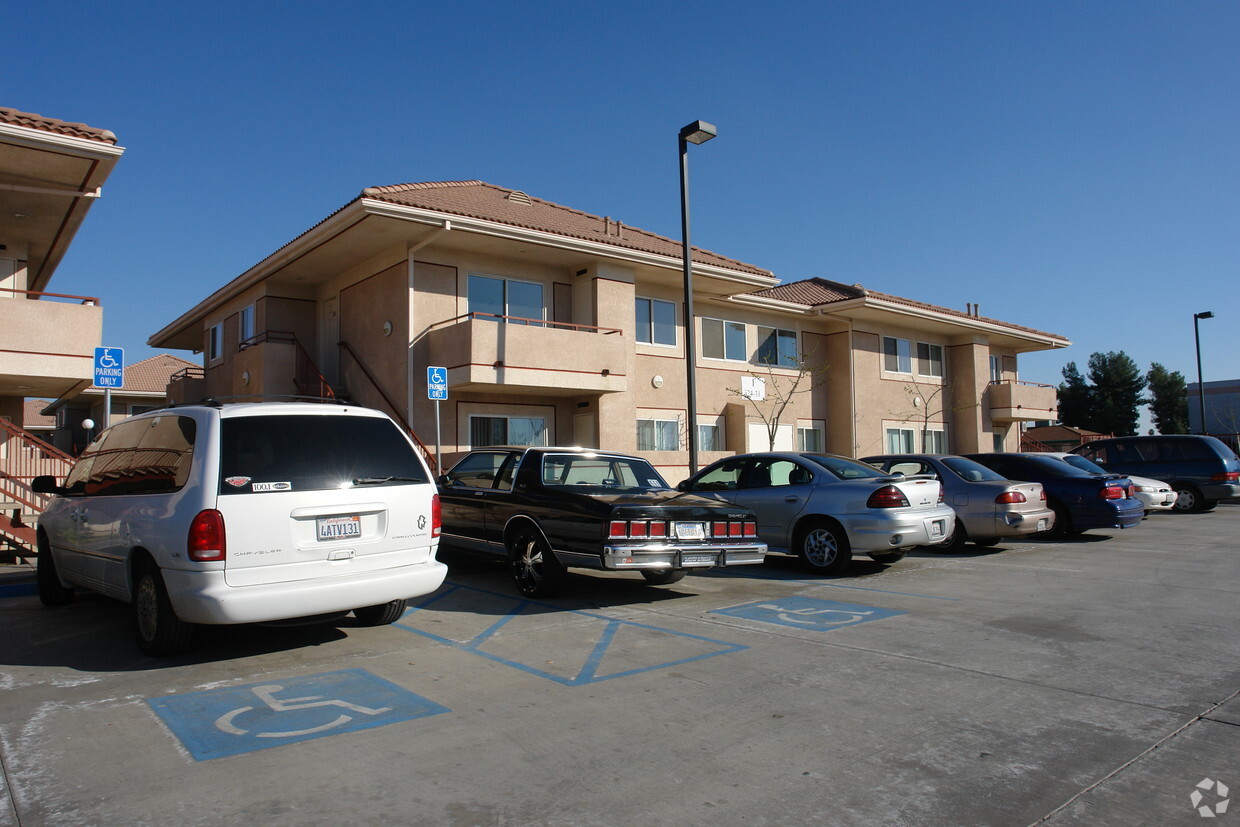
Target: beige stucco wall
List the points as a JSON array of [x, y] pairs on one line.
[[48, 338]]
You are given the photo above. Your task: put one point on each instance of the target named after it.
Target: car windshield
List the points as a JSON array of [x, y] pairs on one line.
[[1084, 464], [612, 473], [309, 453], [846, 469], [969, 470]]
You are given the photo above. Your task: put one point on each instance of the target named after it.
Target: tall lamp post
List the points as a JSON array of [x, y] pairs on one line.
[[698, 132], [1201, 388]]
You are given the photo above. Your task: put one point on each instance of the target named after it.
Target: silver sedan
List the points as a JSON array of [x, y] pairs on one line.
[[988, 507], [823, 507]]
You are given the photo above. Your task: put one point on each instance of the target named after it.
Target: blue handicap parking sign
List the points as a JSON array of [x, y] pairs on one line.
[[809, 613], [220, 722]]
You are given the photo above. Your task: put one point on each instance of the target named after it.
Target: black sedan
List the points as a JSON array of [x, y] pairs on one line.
[[546, 509]]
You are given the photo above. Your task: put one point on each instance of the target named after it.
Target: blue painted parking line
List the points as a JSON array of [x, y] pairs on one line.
[[815, 581], [18, 590], [809, 613], [591, 644], [220, 722]]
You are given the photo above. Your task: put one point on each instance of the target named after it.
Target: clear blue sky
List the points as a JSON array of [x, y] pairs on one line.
[[1069, 166]]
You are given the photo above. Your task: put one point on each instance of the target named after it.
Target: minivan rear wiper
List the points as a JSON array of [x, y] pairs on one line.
[[381, 480]]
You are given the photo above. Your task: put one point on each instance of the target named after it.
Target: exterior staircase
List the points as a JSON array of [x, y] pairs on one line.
[[23, 456]]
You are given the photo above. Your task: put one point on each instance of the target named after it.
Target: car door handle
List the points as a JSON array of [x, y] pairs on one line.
[[791, 498]]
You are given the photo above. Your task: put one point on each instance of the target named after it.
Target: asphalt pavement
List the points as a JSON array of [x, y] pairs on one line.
[[1086, 681]]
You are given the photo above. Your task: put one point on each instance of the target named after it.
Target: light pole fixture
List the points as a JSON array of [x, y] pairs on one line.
[[698, 132], [1201, 388]]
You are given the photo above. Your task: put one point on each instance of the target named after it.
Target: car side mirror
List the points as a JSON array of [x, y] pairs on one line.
[[45, 484], [683, 485]]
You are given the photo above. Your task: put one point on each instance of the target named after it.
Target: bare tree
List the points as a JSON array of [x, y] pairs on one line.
[[928, 402], [769, 393]]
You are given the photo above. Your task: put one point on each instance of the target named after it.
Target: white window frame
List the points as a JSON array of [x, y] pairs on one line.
[[811, 426], [508, 427], [765, 332], [724, 325], [903, 356], [907, 436], [505, 280], [996, 368], [658, 432], [215, 343], [925, 366], [939, 435], [649, 340], [245, 324]]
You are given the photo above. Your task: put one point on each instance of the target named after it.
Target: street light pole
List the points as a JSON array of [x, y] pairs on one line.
[[1201, 388], [698, 132]]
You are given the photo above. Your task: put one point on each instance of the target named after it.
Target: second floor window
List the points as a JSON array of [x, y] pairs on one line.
[[247, 323], [897, 355], [215, 342], [777, 347], [520, 302], [929, 359], [656, 322], [723, 340]]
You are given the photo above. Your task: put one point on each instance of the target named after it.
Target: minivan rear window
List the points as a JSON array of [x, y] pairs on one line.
[[261, 454]]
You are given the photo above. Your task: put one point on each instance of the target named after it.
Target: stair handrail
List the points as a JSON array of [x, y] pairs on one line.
[[18, 468], [397, 415]]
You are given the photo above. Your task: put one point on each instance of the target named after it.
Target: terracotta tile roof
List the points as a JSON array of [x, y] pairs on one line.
[[151, 375], [76, 130], [1061, 433], [478, 199], [32, 415], [818, 291]]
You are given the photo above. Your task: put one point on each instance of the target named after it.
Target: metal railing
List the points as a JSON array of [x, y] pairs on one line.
[[520, 320], [23, 456], [393, 409], [87, 300], [307, 377]]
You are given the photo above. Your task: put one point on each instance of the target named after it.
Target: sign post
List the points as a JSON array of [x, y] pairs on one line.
[[437, 389], [109, 373]]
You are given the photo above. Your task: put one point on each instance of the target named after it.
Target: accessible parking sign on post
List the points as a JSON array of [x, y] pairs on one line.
[[109, 367]]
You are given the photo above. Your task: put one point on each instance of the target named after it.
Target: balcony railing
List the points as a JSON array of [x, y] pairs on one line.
[[484, 351], [88, 300], [1013, 400], [307, 377]]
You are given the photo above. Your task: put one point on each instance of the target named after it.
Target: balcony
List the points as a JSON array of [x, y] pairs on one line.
[[483, 351], [1015, 401], [47, 341]]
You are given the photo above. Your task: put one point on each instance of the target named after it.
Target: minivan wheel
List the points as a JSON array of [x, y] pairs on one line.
[[1188, 499], [156, 626], [51, 591], [380, 615], [536, 571], [823, 548]]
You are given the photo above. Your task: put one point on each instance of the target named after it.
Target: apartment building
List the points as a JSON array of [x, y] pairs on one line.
[[557, 326]]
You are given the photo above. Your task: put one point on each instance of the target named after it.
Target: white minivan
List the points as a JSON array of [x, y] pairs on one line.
[[244, 513]]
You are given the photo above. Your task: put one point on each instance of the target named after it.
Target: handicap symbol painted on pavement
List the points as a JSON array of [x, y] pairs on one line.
[[234, 720], [809, 613]]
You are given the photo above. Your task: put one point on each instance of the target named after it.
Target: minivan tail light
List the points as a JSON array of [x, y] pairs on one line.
[[206, 537], [1226, 476], [887, 497], [436, 516]]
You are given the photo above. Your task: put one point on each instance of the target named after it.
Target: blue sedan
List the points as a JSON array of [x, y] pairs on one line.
[[1080, 500]]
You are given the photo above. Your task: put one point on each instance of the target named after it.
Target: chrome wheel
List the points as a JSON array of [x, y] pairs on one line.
[[535, 569], [823, 548]]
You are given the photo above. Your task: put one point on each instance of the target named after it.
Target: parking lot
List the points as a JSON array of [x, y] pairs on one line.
[[1092, 680]]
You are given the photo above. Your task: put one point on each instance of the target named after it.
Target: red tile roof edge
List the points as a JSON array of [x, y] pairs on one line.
[[42, 123]]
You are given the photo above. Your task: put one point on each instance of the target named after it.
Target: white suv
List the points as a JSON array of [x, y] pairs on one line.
[[244, 513]]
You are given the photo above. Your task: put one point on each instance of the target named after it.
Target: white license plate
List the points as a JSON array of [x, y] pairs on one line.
[[690, 531], [338, 528], [697, 559], [1042, 524], [936, 528]]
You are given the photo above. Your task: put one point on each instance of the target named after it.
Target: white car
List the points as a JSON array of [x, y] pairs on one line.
[[1154, 494], [244, 513]]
